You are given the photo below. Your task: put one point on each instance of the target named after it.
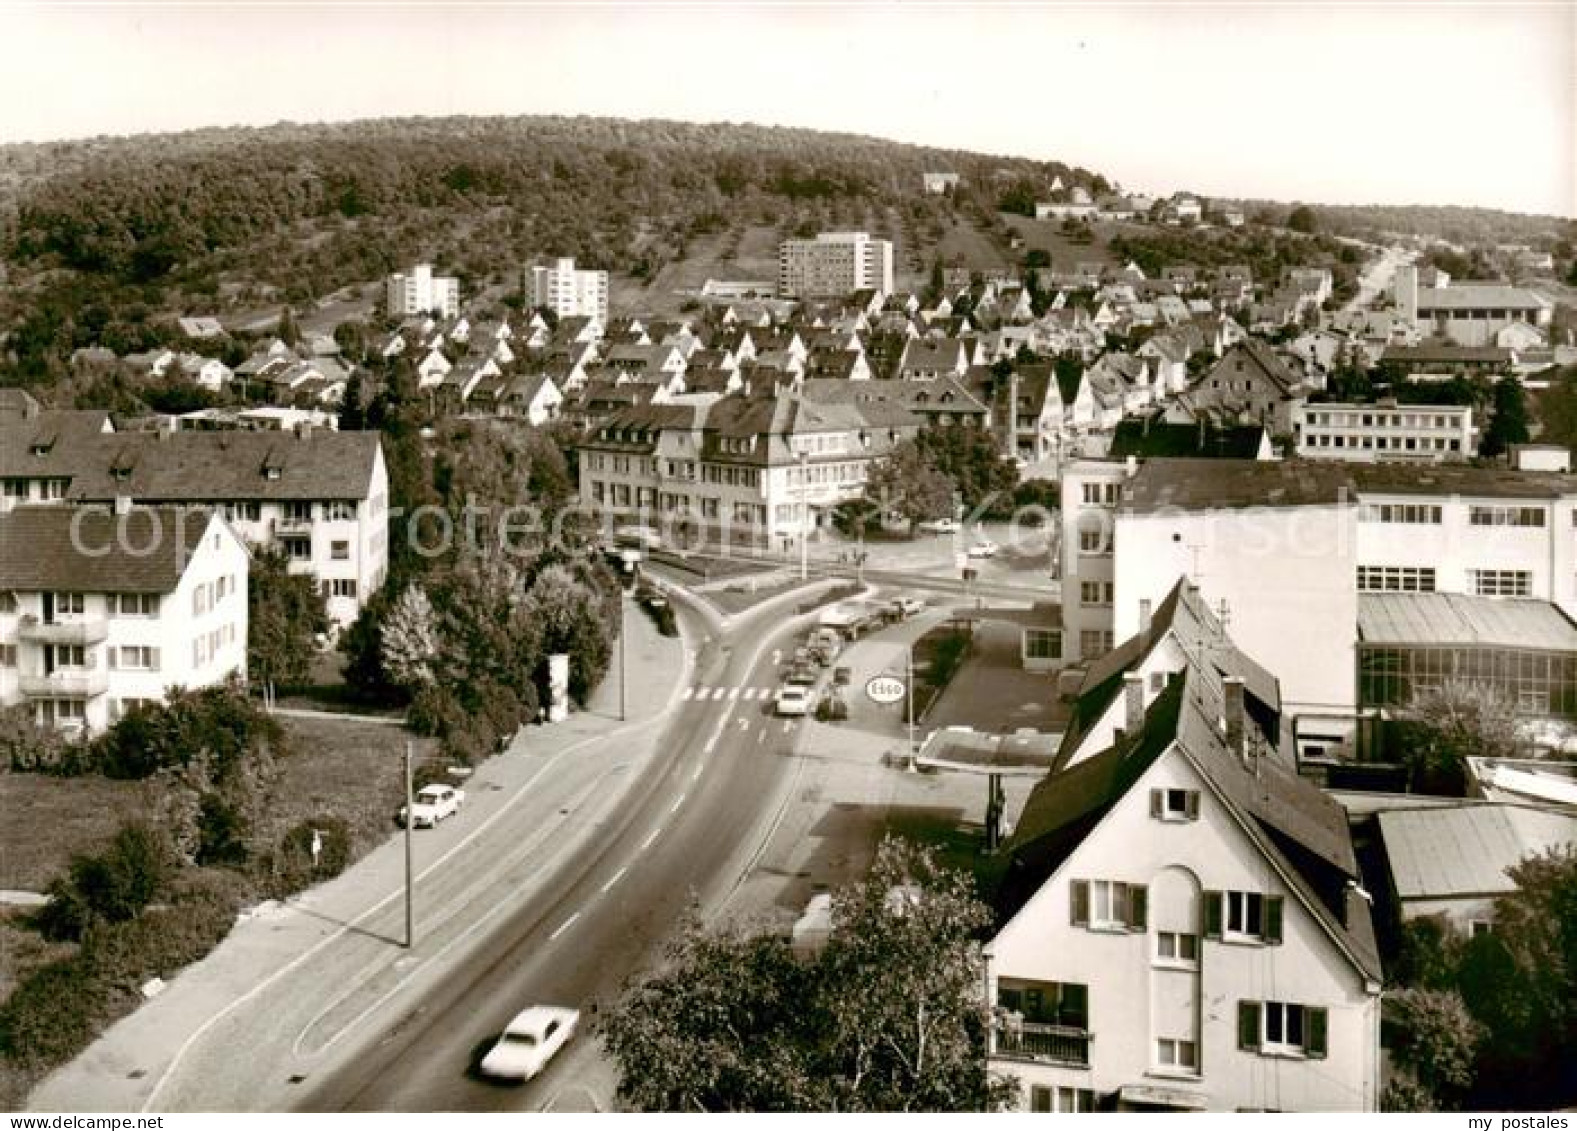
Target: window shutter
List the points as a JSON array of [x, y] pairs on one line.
[[153, 659], [1080, 891], [1137, 901], [1212, 915], [1193, 805], [1273, 919], [1155, 803], [1315, 1044], [1248, 1025], [111, 656]]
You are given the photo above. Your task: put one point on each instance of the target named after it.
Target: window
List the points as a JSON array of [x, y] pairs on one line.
[[1094, 643], [1174, 1052], [1396, 579], [1174, 804], [1505, 516], [69, 604], [68, 655], [341, 511], [1176, 947], [1501, 582], [200, 600], [339, 551], [1100, 494], [1108, 904], [1477, 927], [136, 657], [199, 651], [1095, 592], [1094, 542], [1042, 644], [1282, 1028], [7, 601], [1064, 1100], [1411, 514], [342, 587], [297, 549], [244, 512], [7, 655], [1241, 915]]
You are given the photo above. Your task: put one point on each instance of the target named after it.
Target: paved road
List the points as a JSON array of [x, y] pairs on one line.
[[686, 838]]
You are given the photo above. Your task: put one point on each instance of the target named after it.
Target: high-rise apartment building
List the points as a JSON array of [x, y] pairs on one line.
[[570, 293], [421, 292], [834, 264]]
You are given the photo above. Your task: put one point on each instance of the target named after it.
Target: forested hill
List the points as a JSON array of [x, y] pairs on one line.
[[139, 209]]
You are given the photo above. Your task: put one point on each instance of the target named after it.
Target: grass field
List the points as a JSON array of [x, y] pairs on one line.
[[1046, 235], [49, 820]]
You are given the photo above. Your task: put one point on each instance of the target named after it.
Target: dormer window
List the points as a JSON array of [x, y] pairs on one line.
[[272, 472], [41, 448]]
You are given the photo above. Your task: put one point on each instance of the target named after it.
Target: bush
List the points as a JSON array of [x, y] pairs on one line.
[[52, 1014], [218, 721], [290, 864], [221, 831], [113, 886]]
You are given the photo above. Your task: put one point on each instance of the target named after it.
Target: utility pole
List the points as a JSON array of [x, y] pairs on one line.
[[909, 701], [410, 822], [623, 623]]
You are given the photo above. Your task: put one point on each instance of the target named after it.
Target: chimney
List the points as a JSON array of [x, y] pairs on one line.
[[304, 430], [1131, 467], [1232, 712], [122, 504], [1133, 702]]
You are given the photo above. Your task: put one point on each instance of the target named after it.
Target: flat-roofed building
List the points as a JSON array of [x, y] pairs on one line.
[[1468, 313], [833, 265], [1385, 431]]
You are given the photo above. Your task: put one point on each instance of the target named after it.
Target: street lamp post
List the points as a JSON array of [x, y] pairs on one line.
[[804, 514], [410, 823], [623, 624], [909, 699]]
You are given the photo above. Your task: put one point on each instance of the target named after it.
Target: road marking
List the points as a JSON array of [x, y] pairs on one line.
[[674, 808], [564, 926], [718, 693], [711, 745], [761, 736], [689, 691], [697, 774], [733, 693], [617, 876], [647, 843]]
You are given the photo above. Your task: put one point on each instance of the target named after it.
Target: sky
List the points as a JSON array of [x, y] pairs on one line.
[[1412, 101]]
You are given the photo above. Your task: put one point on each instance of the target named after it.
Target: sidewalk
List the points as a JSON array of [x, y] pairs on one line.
[[293, 980]]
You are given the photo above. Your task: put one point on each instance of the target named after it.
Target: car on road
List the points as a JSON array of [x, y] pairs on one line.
[[984, 548], [940, 526], [793, 699], [529, 1042], [802, 675], [432, 804], [908, 606]]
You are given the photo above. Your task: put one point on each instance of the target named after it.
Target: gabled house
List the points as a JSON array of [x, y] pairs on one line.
[[1185, 926], [926, 360], [532, 397], [1251, 384], [432, 369]]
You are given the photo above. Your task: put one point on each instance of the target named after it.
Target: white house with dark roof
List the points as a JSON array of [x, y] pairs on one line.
[[1185, 927], [104, 609]]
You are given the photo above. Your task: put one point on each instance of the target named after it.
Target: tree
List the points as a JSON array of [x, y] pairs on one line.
[[907, 484], [1435, 1039], [1441, 728], [1509, 424], [886, 1017], [289, 332], [285, 615], [409, 640], [1302, 219], [972, 459]]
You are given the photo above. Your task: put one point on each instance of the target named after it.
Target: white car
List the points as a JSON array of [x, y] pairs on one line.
[[793, 699], [432, 804], [908, 606], [985, 548], [529, 1042], [939, 526]]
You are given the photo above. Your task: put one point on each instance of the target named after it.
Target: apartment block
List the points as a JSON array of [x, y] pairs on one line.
[[103, 609], [319, 497], [833, 265], [419, 291], [569, 292]]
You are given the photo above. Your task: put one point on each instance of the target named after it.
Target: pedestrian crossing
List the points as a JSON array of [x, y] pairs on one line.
[[701, 693]]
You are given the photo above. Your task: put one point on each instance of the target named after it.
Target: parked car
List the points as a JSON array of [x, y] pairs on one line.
[[804, 675], [825, 645], [529, 1042], [793, 699], [432, 804], [984, 548], [940, 526]]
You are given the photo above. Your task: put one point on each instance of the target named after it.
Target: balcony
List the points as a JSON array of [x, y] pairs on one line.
[[66, 683], [77, 630], [1053, 1044], [288, 523]]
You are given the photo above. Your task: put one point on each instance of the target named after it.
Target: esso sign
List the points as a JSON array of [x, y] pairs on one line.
[[884, 689]]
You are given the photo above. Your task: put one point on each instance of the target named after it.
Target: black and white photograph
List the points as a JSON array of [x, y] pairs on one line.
[[710, 556]]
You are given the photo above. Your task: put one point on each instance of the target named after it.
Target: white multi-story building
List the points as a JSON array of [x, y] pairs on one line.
[[1468, 313], [1186, 929], [320, 497], [1366, 433], [570, 293], [1285, 549], [103, 609], [833, 265], [419, 291]]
